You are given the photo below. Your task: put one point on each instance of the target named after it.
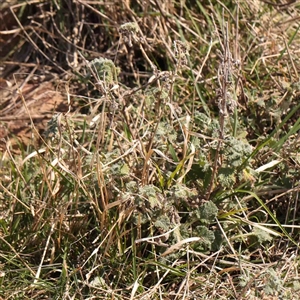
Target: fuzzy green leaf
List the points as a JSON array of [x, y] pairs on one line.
[[207, 238], [207, 213]]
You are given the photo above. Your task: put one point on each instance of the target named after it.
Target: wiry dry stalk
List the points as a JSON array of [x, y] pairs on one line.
[[226, 102]]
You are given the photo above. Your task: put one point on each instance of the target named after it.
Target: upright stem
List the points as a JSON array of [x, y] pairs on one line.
[[225, 82]]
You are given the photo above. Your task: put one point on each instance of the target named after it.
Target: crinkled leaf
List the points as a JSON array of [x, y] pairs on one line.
[[207, 238], [207, 212]]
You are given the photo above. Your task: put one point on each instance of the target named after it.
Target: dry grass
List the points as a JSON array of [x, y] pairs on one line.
[[173, 170]]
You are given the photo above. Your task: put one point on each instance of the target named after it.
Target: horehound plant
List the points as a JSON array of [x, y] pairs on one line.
[[154, 198]]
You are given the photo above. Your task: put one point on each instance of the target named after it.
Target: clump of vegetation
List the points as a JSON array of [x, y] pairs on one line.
[[174, 172]]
